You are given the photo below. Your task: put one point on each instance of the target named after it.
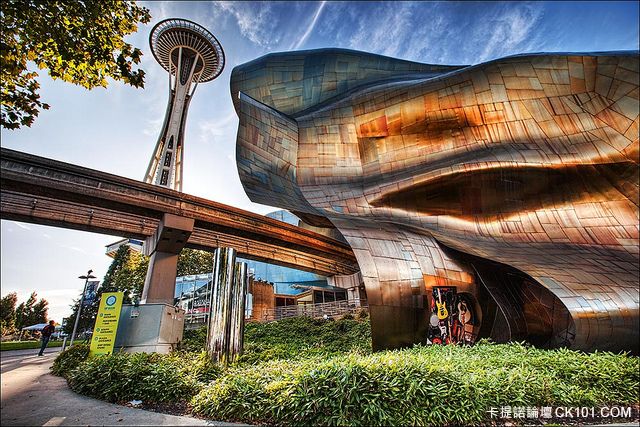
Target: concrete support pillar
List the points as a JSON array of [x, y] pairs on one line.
[[225, 334], [164, 247]]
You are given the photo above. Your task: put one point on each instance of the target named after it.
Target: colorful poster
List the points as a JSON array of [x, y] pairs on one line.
[[104, 332], [90, 293], [452, 319]]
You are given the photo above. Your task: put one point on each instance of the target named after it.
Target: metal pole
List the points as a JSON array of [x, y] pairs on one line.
[[75, 325], [224, 261]]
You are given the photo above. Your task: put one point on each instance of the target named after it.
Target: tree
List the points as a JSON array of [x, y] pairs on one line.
[[125, 274], [87, 317], [27, 311], [192, 261], [20, 321], [31, 312], [40, 311], [81, 42], [8, 313]]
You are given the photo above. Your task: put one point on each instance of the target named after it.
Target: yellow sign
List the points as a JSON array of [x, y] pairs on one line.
[[104, 333]]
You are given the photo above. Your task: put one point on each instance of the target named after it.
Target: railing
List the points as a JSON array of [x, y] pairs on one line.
[[329, 309]]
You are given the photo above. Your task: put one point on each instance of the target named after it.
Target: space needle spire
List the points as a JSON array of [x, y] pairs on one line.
[[191, 55]]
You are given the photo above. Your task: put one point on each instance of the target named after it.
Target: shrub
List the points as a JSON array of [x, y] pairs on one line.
[[193, 339], [424, 385], [303, 337], [294, 338], [147, 377], [69, 359]]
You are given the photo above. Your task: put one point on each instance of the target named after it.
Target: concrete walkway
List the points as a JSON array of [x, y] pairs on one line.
[[31, 396]]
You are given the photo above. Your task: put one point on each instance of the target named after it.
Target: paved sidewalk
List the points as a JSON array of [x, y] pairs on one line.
[[31, 396]]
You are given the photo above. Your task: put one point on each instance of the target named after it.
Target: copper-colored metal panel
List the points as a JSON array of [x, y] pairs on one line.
[[516, 179]]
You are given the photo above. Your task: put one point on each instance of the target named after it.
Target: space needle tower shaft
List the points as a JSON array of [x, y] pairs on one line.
[[191, 55]]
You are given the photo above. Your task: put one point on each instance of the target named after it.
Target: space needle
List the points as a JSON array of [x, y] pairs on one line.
[[191, 55]]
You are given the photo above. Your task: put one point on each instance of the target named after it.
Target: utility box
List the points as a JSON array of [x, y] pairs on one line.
[[149, 328]]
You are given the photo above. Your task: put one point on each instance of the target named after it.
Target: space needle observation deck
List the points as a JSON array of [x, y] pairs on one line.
[[191, 55]]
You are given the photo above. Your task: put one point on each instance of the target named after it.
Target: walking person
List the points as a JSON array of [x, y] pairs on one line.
[[46, 335]]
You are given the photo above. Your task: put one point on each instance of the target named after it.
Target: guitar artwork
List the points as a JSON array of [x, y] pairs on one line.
[[442, 308]]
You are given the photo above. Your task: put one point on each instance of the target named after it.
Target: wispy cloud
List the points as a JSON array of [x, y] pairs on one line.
[[435, 32], [510, 29], [74, 248], [256, 21], [385, 31], [21, 225], [214, 129], [310, 28]]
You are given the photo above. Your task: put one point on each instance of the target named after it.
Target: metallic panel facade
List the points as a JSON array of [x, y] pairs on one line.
[[515, 181]]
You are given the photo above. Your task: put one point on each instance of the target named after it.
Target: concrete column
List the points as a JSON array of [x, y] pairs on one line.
[[164, 247]]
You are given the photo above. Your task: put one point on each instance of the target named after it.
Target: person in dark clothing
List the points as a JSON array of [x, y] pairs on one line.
[[46, 335]]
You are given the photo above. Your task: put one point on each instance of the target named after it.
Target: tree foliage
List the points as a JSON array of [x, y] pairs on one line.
[[125, 274], [8, 313], [81, 42], [192, 261], [28, 313]]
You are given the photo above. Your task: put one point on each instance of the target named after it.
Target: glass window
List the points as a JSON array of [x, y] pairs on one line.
[[317, 297]]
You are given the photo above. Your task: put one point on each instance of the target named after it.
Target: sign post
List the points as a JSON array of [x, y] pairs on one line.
[[104, 333]]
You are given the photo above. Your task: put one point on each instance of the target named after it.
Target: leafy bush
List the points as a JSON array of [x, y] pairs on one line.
[[69, 359], [424, 385], [294, 338], [306, 371], [147, 377], [303, 337], [193, 339]]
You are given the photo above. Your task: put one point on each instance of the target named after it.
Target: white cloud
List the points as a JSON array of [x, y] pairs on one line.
[[509, 30], [74, 248], [386, 31], [256, 21], [211, 130], [21, 225], [310, 28], [438, 33]]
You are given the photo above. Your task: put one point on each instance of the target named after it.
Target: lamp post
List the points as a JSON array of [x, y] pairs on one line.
[[75, 325]]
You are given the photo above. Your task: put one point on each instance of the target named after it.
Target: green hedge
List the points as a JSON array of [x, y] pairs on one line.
[[420, 386], [305, 371], [147, 377], [69, 359], [26, 345], [303, 337]]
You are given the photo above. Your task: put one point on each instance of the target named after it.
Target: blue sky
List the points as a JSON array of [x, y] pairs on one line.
[[115, 129]]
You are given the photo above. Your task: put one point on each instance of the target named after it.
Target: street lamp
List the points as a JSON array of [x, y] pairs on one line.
[[86, 280]]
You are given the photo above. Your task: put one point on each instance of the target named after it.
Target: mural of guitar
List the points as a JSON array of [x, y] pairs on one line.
[[442, 308]]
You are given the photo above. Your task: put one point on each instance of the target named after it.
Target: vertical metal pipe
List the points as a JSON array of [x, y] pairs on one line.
[[237, 312], [224, 260]]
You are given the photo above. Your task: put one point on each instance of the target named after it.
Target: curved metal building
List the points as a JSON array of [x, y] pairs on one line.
[[191, 55], [496, 200]]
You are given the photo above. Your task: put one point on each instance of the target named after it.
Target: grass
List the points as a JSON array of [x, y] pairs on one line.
[[25, 345], [305, 371]]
